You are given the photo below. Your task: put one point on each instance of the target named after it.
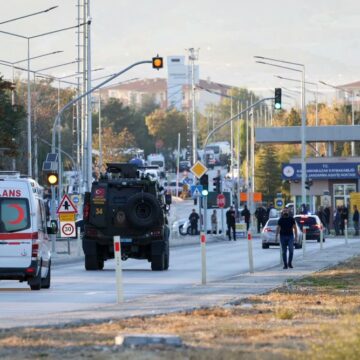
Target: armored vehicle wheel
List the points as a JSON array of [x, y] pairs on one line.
[[143, 210], [158, 262], [92, 263]]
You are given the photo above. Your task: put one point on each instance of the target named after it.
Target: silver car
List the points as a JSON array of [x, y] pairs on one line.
[[268, 234]]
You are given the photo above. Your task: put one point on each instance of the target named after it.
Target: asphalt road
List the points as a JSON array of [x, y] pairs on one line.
[[78, 294]]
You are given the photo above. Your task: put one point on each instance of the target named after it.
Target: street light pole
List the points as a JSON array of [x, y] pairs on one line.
[[28, 38], [89, 113], [303, 115], [352, 94], [192, 57], [316, 103], [29, 15]]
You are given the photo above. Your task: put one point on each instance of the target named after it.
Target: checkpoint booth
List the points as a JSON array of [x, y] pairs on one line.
[[332, 182]]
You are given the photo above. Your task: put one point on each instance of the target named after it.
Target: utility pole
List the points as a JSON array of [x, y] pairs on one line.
[[89, 115], [193, 56]]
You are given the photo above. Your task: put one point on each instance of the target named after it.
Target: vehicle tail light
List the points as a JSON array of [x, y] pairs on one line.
[[30, 270], [268, 230], [86, 210], [317, 226], [35, 249], [90, 231], [156, 233]]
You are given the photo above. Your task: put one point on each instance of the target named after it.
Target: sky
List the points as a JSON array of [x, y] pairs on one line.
[[321, 34]]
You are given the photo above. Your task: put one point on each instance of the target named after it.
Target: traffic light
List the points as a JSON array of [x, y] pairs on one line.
[[308, 184], [52, 178], [157, 62], [278, 99], [204, 181], [216, 184]]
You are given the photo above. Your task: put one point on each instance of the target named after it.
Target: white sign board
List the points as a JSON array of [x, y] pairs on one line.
[[67, 229]]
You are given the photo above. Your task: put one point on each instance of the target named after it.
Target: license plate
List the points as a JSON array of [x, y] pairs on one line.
[[125, 240]]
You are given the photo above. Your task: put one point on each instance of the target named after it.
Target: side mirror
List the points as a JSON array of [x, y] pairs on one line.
[[168, 199], [53, 228]]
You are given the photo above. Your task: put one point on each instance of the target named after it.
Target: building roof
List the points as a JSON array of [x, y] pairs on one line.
[[143, 85], [353, 85]]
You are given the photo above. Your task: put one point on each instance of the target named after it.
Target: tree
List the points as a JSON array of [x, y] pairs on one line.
[[117, 116], [45, 99], [165, 125], [267, 172], [12, 124], [114, 144]]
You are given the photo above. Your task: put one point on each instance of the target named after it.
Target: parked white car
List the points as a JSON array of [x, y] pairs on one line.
[[269, 232], [171, 186]]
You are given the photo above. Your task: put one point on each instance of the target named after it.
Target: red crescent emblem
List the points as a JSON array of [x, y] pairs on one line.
[[100, 192], [21, 214]]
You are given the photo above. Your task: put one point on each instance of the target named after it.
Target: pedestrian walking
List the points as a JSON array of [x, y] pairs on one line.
[[260, 214], [214, 222], [344, 216], [327, 219], [356, 220], [336, 220], [194, 219], [322, 216], [287, 229], [230, 222], [246, 215]]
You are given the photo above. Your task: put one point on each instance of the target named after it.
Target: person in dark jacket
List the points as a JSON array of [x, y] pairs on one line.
[[261, 217], [336, 220], [194, 219], [246, 214], [327, 219], [344, 216], [230, 222], [287, 229], [356, 220]]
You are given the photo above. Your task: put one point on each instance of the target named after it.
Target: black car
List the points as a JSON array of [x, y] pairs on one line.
[[313, 224]]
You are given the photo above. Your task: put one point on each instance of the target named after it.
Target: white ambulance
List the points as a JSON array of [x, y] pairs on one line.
[[24, 241]]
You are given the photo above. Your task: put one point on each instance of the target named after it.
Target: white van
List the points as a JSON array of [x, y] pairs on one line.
[[24, 242]]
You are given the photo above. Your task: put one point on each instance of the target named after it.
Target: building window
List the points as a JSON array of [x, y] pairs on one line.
[[342, 194]]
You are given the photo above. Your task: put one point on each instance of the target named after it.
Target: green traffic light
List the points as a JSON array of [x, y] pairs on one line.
[[204, 193], [277, 106]]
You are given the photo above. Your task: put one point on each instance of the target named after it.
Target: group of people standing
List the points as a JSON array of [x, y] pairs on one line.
[[341, 217]]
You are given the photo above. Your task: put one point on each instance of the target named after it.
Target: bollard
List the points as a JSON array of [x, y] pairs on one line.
[[118, 269], [78, 241], [346, 232], [250, 252], [304, 240], [321, 237], [203, 258]]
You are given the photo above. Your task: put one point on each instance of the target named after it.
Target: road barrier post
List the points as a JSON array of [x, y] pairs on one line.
[[118, 269], [78, 242], [203, 257], [346, 232], [250, 252], [304, 240], [321, 238]]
